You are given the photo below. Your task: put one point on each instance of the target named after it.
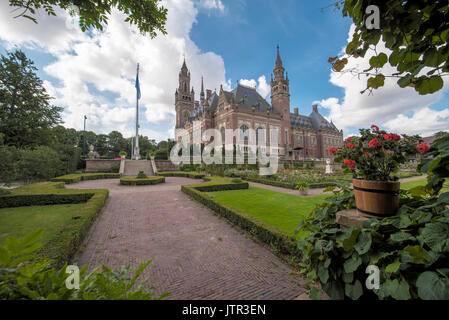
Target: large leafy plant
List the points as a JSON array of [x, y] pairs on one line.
[[410, 249], [24, 277], [376, 154]]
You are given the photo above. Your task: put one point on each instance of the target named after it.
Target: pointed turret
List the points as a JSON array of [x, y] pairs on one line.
[[202, 91], [278, 59]]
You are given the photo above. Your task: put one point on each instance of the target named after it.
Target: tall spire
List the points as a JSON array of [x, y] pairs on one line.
[[202, 86], [278, 59], [202, 92], [184, 66]]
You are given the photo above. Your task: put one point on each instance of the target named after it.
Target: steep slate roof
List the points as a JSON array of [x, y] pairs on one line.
[[249, 97], [319, 122], [300, 121]]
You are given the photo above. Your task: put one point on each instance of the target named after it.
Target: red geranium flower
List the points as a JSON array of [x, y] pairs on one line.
[[350, 145], [375, 127], [332, 150], [392, 137], [388, 151], [423, 148], [366, 153], [375, 143], [348, 139], [349, 163]]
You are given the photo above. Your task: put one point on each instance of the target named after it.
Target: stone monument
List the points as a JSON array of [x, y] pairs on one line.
[[328, 166]]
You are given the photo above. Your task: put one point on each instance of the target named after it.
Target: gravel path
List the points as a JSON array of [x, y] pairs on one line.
[[197, 255]]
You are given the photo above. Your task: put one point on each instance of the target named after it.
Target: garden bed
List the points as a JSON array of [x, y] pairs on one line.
[[141, 181]]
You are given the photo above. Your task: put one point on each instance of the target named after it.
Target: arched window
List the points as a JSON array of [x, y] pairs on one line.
[[244, 133], [223, 135]]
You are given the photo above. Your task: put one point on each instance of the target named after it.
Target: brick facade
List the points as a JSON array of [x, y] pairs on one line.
[[300, 137]]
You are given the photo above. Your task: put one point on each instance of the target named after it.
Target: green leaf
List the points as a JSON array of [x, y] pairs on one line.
[[323, 274], [419, 191], [378, 61], [393, 267], [364, 242], [432, 287], [432, 58], [401, 236], [426, 85], [352, 264], [354, 291], [339, 64], [435, 235], [348, 277], [376, 82], [417, 254], [314, 294], [350, 239]]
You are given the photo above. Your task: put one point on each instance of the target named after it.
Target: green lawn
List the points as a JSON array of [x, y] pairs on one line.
[[412, 184], [22, 220], [281, 210]]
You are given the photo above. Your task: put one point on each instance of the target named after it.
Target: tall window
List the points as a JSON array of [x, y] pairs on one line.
[[260, 136], [244, 133], [223, 136]]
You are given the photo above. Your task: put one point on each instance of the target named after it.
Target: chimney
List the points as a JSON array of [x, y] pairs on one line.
[[315, 108], [296, 111], [208, 93]]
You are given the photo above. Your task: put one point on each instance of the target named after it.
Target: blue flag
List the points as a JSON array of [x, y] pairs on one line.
[[138, 86]]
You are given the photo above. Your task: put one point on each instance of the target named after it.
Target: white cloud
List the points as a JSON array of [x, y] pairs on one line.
[[212, 4], [261, 85], [386, 106], [96, 73]]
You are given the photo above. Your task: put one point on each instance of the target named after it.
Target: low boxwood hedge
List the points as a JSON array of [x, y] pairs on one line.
[[141, 182], [20, 200], [75, 178], [264, 232], [183, 174], [287, 185]]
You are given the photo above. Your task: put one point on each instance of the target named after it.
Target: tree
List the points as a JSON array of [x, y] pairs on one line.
[[26, 114], [148, 15], [416, 32], [116, 143]]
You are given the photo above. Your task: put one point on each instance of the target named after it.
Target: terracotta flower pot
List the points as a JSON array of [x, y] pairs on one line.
[[377, 199]]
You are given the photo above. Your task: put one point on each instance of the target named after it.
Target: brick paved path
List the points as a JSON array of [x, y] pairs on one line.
[[197, 255]]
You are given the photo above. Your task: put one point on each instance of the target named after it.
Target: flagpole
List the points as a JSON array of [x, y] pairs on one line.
[[136, 151]]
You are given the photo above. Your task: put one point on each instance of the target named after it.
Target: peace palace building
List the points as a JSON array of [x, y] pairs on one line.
[[299, 137]]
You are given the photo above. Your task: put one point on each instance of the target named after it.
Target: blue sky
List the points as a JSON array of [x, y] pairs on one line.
[[223, 40]]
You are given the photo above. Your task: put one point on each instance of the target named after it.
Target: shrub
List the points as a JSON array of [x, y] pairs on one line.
[[302, 186], [192, 175], [19, 200], [141, 181], [75, 178], [123, 153], [141, 175], [161, 154], [236, 180], [22, 277]]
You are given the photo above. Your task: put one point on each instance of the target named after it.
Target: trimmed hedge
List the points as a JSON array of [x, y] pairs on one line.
[[75, 178], [4, 192], [68, 239], [183, 174], [141, 182], [266, 233], [21, 200], [287, 185]]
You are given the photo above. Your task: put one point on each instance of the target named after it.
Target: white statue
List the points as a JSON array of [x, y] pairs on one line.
[[328, 166]]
